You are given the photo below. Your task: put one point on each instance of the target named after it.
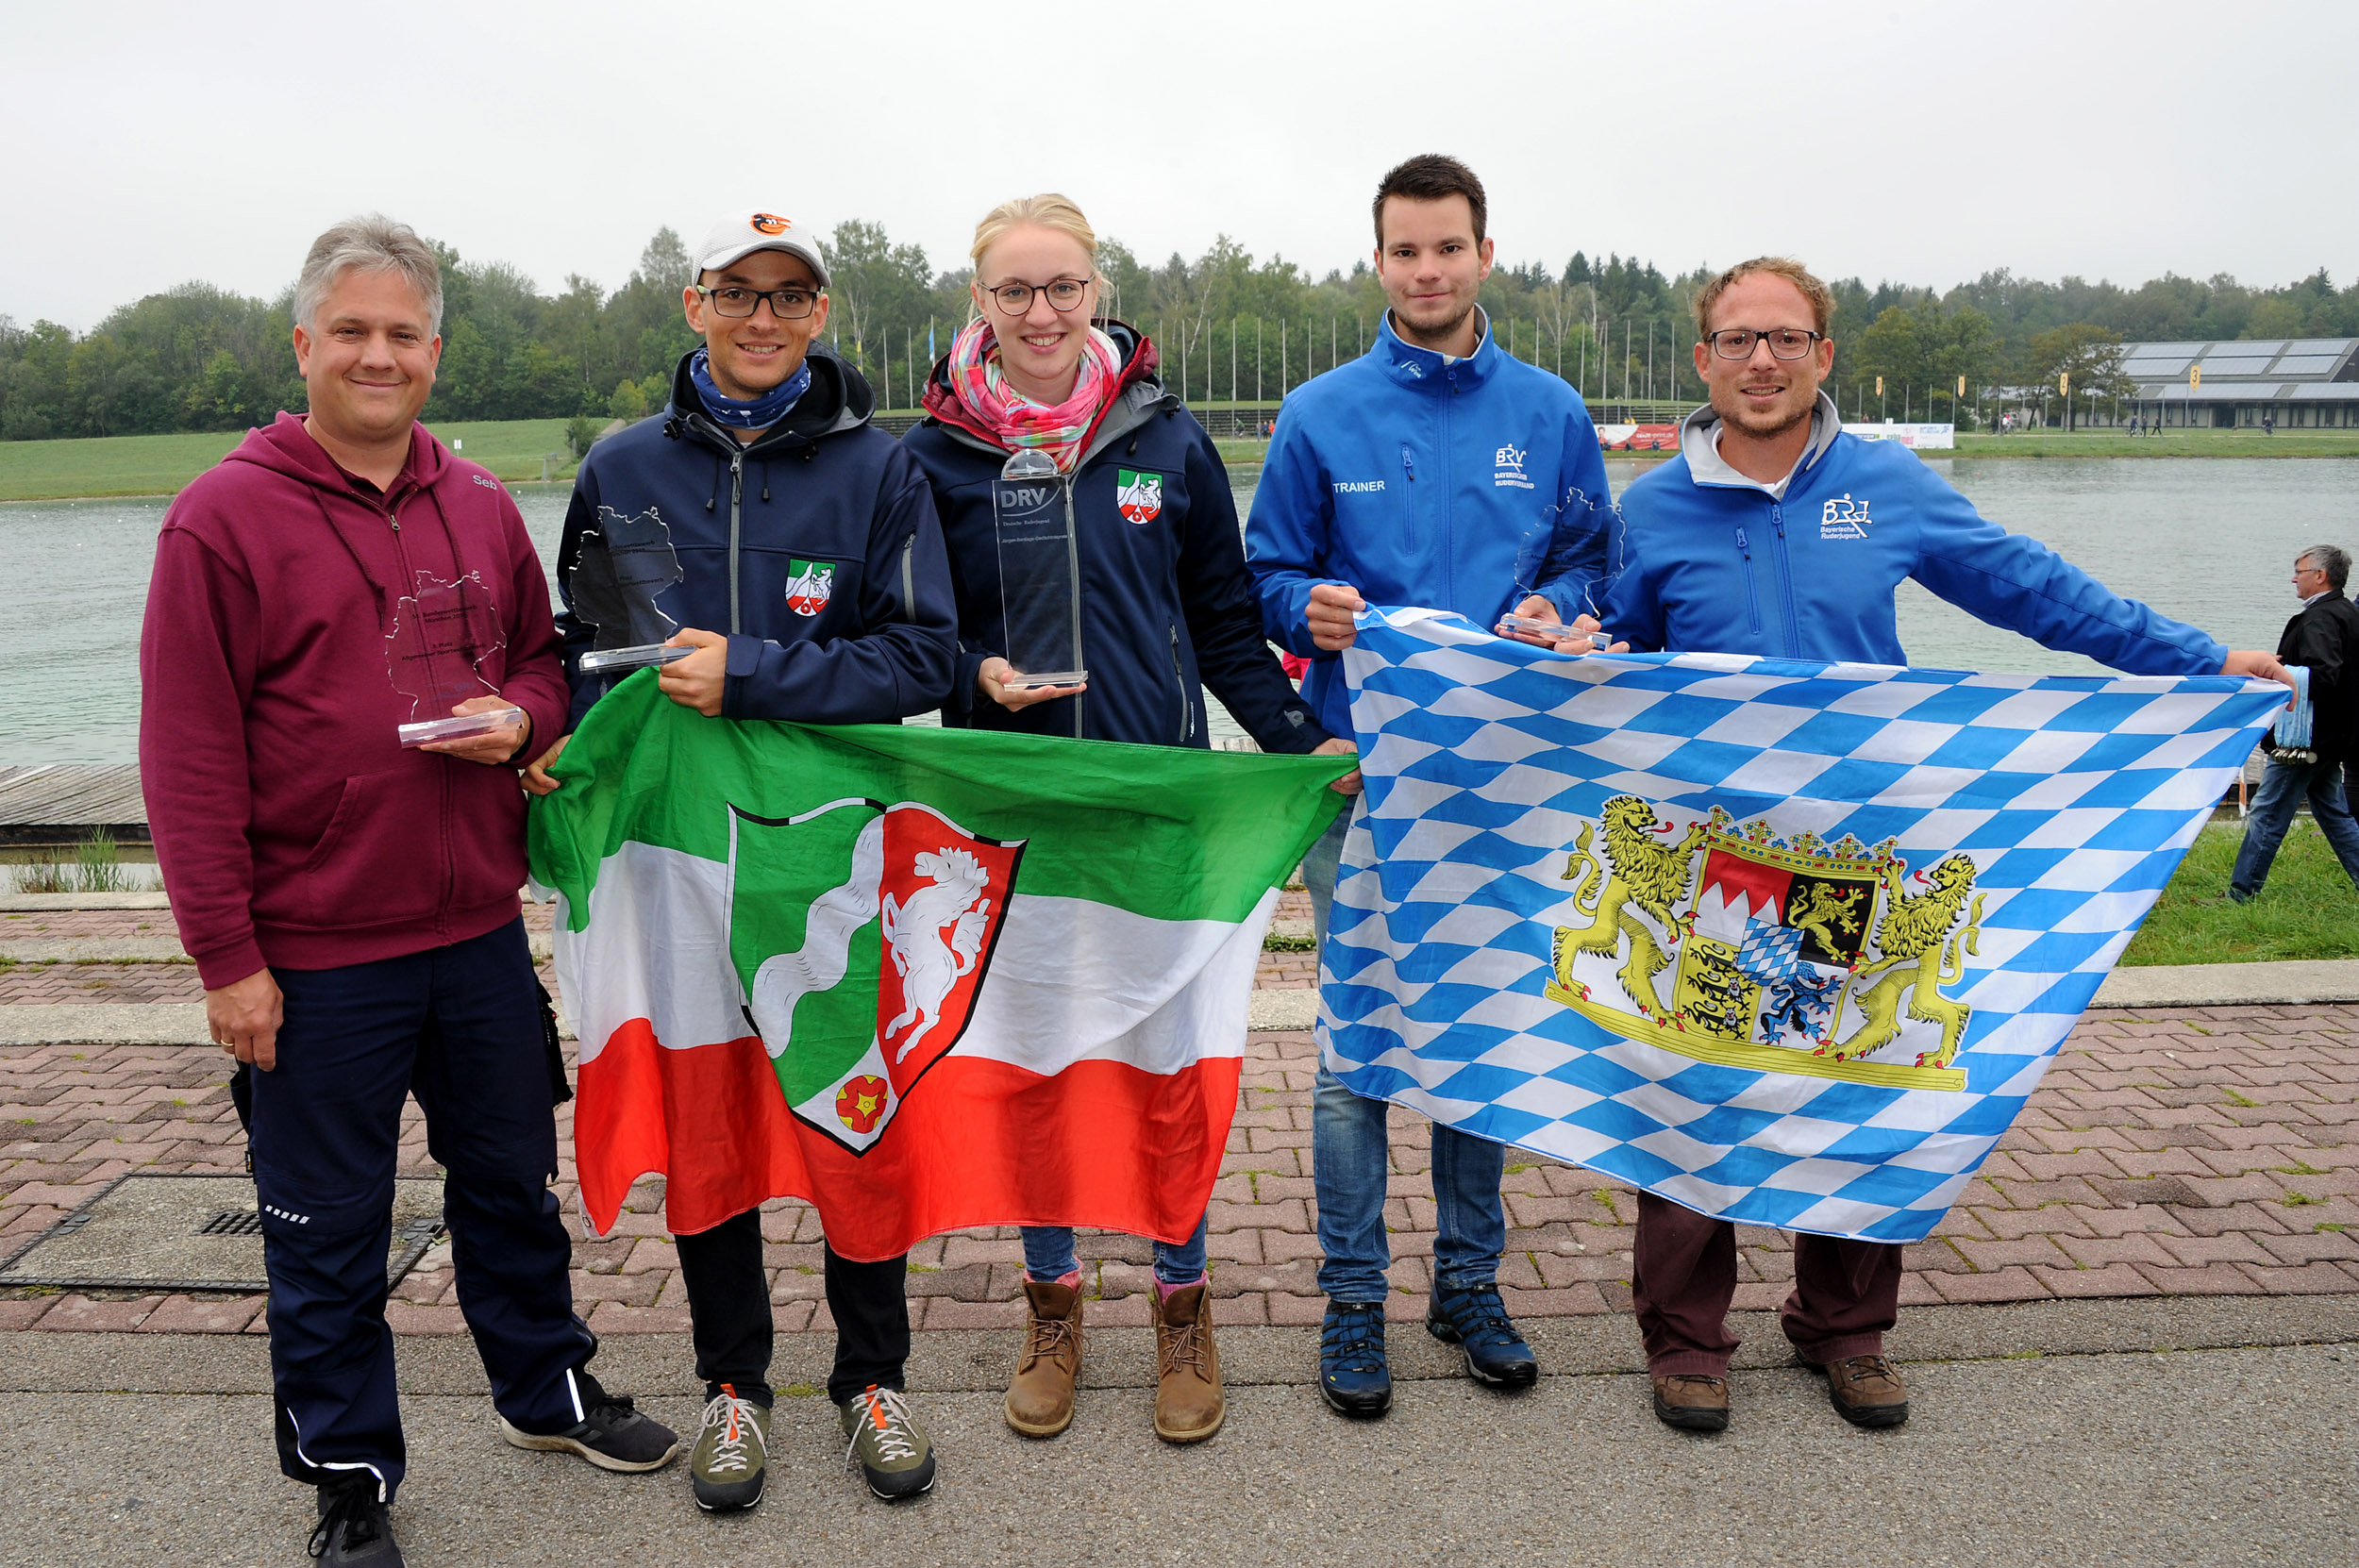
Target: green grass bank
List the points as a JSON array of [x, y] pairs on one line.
[[2308, 910]]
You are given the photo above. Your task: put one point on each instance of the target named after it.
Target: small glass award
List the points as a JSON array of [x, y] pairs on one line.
[[621, 565], [1040, 592], [1531, 556], [442, 635]]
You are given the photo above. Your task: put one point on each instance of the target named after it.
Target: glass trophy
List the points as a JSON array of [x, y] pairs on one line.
[[1531, 556], [621, 566], [442, 635], [1040, 595]]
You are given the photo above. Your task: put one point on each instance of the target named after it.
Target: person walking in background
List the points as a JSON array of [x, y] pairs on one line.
[[815, 590], [1410, 476], [2323, 639], [351, 903], [1767, 460], [1164, 603]]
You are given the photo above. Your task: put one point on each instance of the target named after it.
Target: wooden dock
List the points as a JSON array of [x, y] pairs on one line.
[[61, 803]]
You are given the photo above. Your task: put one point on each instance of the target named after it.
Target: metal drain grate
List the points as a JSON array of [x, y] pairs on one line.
[[231, 1221]]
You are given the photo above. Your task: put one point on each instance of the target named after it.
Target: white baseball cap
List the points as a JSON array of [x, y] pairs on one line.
[[742, 231]]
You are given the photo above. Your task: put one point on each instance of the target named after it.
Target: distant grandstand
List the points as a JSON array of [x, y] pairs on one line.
[[2307, 383]]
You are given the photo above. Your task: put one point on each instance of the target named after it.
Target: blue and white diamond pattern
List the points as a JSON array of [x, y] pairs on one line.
[[2075, 795]]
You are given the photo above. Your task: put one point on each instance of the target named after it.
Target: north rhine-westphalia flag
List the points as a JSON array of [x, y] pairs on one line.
[[924, 979], [1789, 943]]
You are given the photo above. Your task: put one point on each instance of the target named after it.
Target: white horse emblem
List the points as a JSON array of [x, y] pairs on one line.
[[929, 960]]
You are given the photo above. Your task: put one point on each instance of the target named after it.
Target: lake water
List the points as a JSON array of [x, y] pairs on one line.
[[2210, 541]]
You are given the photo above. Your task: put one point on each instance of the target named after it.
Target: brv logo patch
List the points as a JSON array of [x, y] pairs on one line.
[[1509, 464], [1844, 518], [1139, 495]]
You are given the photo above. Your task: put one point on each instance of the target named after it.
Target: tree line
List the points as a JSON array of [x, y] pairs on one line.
[[1230, 327]]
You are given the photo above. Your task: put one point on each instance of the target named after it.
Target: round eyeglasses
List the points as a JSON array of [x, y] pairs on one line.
[[1065, 295]]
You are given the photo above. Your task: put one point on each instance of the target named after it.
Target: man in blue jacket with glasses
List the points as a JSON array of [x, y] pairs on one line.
[[1776, 534], [1435, 470]]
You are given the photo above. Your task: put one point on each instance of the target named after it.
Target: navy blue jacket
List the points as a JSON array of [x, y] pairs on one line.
[[824, 499], [1166, 607], [1413, 477], [1708, 562]]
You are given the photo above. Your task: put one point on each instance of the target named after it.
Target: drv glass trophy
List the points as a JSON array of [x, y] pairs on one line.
[[1531, 556], [442, 635], [1040, 591], [621, 565]]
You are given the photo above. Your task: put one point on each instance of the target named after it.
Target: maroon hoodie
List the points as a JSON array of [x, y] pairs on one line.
[[292, 828]]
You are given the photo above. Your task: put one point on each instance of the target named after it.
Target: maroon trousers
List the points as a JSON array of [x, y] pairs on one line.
[[1845, 1293]]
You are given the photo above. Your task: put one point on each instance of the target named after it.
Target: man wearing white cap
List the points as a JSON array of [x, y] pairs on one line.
[[813, 588]]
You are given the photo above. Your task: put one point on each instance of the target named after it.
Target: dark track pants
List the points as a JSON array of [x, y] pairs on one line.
[[460, 1028], [729, 1310], [1845, 1293]]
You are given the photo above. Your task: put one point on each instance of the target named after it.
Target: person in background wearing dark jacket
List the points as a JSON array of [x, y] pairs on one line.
[[2325, 638], [1164, 604], [1694, 544], [813, 589], [351, 905]]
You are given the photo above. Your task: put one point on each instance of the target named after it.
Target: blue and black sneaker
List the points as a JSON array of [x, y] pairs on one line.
[[1353, 1376], [1475, 1318]]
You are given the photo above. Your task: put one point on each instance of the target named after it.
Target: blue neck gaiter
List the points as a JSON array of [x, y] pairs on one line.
[[742, 414]]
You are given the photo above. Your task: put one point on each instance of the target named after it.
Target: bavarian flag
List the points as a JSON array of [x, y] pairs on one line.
[[925, 978]]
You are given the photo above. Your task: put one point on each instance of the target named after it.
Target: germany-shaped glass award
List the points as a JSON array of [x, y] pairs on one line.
[[442, 635], [1040, 591], [621, 565]]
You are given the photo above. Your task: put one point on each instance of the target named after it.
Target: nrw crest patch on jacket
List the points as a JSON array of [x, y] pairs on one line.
[[811, 586], [1139, 495]]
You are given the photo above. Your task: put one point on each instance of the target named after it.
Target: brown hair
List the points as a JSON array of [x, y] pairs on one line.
[[1431, 178], [1821, 302]]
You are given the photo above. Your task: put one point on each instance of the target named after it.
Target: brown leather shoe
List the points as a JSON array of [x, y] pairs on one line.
[[1867, 1390], [1691, 1401], [1189, 1404], [1040, 1395]]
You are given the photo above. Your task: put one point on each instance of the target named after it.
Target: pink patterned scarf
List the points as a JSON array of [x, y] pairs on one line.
[[1016, 420]]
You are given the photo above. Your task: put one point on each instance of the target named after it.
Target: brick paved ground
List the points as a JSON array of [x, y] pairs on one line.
[[2208, 1151]]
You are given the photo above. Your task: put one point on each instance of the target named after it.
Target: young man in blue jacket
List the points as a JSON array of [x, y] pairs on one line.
[[813, 586], [1414, 475], [1774, 534]]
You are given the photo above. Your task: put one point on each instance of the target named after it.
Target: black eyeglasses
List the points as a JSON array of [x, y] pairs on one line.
[[1786, 342], [1065, 295], [789, 304]]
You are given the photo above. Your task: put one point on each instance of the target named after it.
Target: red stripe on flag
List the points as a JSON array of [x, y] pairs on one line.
[[1102, 1143]]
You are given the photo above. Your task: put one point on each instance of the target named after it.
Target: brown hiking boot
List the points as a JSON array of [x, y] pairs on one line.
[[1040, 1395], [1691, 1401], [1189, 1405], [1867, 1391]]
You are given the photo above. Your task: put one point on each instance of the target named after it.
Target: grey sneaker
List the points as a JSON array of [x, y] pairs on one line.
[[727, 1468], [894, 1454]]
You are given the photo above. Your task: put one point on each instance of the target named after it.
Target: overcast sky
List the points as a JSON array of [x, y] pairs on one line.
[[150, 144]]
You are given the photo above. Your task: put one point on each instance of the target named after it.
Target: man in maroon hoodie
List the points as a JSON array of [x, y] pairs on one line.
[[351, 903]]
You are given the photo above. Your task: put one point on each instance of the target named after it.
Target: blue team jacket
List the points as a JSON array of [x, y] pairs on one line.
[[816, 549], [1709, 563], [1413, 478]]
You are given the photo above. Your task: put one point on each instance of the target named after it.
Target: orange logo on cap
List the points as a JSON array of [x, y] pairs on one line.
[[770, 222]]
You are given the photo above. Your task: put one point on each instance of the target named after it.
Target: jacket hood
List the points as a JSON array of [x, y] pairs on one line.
[[838, 399], [1411, 366], [1699, 444], [1137, 388], [284, 446]]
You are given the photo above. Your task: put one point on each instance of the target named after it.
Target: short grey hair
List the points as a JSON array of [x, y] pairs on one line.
[[2333, 559], [371, 243]]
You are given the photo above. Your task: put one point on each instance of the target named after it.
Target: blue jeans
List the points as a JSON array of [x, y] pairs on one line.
[[1351, 1162], [2282, 789], [1048, 1255]]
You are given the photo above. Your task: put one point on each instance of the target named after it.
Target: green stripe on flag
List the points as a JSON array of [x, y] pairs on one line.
[[1170, 832]]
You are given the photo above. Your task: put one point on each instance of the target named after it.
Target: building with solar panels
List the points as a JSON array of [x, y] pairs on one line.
[[2305, 383]]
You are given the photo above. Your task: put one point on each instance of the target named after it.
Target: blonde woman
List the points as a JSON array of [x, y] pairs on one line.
[[1164, 608]]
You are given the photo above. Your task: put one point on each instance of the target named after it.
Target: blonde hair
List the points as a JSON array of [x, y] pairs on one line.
[[1048, 211], [1821, 301]]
